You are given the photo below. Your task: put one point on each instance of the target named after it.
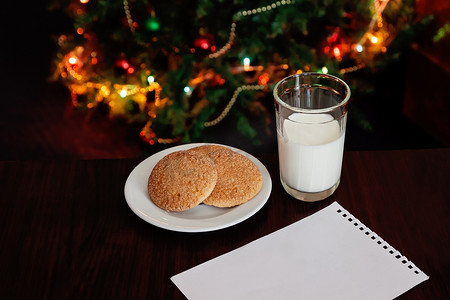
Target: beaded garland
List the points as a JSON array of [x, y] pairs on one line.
[[224, 49], [72, 65], [231, 103]]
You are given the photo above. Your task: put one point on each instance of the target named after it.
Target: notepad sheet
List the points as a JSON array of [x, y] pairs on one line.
[[328, 255]]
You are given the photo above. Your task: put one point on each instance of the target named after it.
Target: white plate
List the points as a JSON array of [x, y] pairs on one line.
[[200, 218]]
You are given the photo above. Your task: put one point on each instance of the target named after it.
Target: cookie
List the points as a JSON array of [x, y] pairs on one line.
[[207, 149], [239, 179], [181, 180]]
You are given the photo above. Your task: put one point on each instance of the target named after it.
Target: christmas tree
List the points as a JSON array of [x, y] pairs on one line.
[[181, 67]]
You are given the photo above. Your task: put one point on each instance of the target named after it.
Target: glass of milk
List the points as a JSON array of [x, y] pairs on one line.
[[311, 116]]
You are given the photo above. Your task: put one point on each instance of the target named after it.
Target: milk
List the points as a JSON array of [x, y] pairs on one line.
[[310, 152]]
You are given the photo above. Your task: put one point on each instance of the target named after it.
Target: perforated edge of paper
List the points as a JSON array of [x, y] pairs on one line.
[[377, 239]]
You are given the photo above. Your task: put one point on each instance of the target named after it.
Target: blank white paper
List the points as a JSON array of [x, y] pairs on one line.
[[328, 255]]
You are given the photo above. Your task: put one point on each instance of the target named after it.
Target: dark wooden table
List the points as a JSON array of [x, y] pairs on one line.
[[67, 231]]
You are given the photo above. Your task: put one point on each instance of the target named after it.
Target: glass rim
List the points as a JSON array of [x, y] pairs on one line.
[[313, 110]]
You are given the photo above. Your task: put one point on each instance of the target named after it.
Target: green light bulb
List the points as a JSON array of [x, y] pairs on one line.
[[152, 24]]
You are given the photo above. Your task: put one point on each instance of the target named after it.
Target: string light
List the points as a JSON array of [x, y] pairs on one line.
[[380, 5], [337, 52], [379, 8], [71, 65], [373, 39], [73, 73], [94, 59], [246, 62], [204, 45], [263, 79], [105, 91], [152, 24], [188, 90], [73, 60]]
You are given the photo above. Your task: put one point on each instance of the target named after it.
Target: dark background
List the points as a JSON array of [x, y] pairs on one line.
[[408, 110]]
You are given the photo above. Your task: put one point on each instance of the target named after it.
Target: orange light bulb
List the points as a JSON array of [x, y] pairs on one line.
[[336, 52], [73, 60]]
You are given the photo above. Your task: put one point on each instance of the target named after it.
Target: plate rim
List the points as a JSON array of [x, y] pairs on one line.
[[245, 213]]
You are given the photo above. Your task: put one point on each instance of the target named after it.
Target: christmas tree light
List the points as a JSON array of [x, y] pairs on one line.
[[163, 59]]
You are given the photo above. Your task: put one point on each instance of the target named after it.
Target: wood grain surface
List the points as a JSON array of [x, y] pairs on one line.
[[67, 232]]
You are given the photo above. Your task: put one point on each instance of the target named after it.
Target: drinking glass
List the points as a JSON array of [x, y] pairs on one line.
[[311, 116]]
